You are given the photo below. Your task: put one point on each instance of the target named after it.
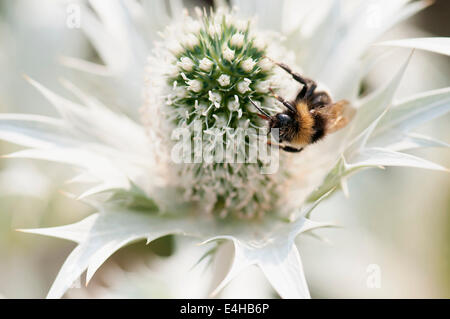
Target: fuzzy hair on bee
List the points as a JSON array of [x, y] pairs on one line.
[[308, 118]]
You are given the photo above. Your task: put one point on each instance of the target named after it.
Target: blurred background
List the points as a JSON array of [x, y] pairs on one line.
[[396, 222]]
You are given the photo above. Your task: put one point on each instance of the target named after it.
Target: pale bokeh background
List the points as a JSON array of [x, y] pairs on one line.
[[397, 220]]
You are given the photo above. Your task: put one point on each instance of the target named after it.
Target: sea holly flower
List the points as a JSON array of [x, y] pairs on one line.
[[199, 76]]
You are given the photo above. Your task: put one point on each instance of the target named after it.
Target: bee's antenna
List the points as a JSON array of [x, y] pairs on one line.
[[264, 115]]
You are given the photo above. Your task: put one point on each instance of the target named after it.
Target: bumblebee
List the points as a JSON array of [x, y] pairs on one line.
[[308, 118]]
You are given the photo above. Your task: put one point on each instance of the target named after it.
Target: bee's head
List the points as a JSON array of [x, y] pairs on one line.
[[280, 120], [284, 123]]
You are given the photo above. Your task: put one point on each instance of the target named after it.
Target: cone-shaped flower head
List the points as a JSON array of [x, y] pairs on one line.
[[208, 69]]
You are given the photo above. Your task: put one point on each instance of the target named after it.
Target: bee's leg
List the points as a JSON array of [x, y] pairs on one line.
[[307, 91], [291, 149], [285, 103], [310, 88], [286, 148], [308, 85], [295, 75]]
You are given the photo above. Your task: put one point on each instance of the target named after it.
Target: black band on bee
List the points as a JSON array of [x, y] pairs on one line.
[[318, 100], [319, 127], [291, 149]]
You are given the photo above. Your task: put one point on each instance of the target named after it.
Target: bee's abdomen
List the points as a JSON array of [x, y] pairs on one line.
[[318, 127]]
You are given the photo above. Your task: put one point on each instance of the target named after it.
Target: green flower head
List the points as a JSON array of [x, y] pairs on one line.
[[203, 75]]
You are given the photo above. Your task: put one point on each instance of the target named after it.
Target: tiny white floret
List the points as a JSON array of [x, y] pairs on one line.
[[224, 80], [244, 85], [228, 54], [237, 40], [206, 64], [248, 64], [215, 98], [186, 64], [233, 105], [195, 85]]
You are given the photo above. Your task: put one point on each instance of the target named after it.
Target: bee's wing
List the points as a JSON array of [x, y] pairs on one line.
[[337, 114]]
